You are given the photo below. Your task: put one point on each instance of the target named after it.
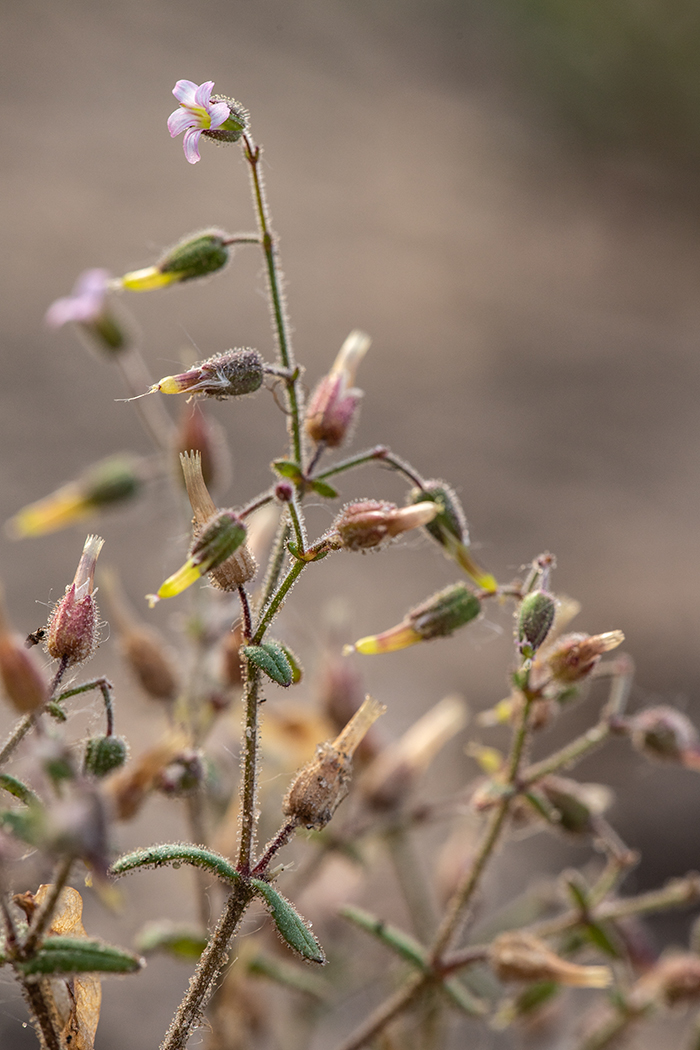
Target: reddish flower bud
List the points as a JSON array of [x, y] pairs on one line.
[[574, 656], [284, 491], [666, 734], [22, 681], [197, 433], [332, 408], [370, 523], [73, 630]]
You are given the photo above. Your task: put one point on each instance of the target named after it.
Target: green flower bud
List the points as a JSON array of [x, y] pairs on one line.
[[535, 619], [196, 256], [450, 518], [104, 753], [445, 611]]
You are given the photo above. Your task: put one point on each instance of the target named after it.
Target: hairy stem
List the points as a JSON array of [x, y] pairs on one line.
[[270, 611], [249, 779], [42, 917]]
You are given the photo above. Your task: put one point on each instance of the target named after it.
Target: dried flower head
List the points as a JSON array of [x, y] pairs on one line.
[[320, 787]]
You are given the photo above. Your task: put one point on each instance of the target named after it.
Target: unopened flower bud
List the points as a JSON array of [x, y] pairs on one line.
[[73, 630], [104, 484], [103, 754], [674, 979], [370, 523], [241, 566], [129, 787], [320, 787], [519, 956], [184, 775], [392, 775], [87, 307], [23, 683], [437, 617], [284, 491], [142, 648], [449, 529], [232, 374], [195, 256], [332, 408], [666, 733], [218, 539], [535, 619], [575, 656], [576, 805]]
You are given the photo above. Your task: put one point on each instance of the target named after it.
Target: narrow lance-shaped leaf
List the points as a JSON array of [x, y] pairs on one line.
[[293, 929], [175, 853], [60, 955], [272, 660]]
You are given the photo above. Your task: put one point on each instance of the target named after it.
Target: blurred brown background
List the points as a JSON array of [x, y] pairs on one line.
[[504, 195]]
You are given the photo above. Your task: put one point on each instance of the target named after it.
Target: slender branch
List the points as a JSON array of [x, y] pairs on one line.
[[390, 1009], [245, 609], [252, 154], [16, 736], [42, 917], [203, 980], [271, 609], [295, 515], [275, 845], [413, 887], [276, 563], [567, 755]]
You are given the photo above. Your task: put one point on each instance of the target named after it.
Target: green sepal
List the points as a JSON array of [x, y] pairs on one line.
[[56, 711], [293, 929], [270, 658], [79, 955], [603, 939], [323, 489], [176, 939], [19, 790], [578, 894], [287, 468], [535, 996], [176, 853]]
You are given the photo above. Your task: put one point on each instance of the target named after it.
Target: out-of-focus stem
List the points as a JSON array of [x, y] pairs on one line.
[[385, 1013], [150, 410], [249, 779], [413, 887], [198, 835], [41, 1014]]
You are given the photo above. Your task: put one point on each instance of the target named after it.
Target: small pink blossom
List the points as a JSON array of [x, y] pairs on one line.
[[197, 113], [85, 304]]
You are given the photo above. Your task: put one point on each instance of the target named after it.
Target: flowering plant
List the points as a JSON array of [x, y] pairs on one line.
[[67, 799]]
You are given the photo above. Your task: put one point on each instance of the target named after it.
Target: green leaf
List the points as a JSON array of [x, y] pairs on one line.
[[183, 942], [293, 929], [322, 488], [398, 941], [271, 658], [291, 975], [287, 468], [24, 824], [175, 853], [19, 790], [604, 939], [294, 663], [79, 955]]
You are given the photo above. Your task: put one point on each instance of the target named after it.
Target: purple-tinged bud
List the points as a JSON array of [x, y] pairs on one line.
[[371, 523], [103, 754], [23, 683], [667, 734], [535, 619], [111, 481], [320, 787], [674, 979], [232, 374], [575, 656], [73, 630], [437, 617], [194, 256], [332, 408], [520, 956], [284, 491]]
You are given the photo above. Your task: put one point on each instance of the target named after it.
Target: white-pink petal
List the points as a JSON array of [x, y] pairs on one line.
[[218, 112], [203, 94], [191, 144], [180, 121], [185, 91]]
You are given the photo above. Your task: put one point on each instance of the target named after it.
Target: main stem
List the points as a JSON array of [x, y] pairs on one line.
[[249, 781]]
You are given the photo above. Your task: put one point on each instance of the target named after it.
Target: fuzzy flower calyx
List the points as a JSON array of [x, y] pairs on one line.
[[370, 523], [449, 529], [110, 481], [195, 256], [437, 617], [232, 374], [332, 408], [200, 113], [73, 629], [87, 307]]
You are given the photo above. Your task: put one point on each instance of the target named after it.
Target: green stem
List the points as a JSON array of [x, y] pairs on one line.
[[276, 563], [568, 755], [41, 1014], [295, 515], [378, 453], [281, 322], [249, 778], [413, 888], [270, 610]]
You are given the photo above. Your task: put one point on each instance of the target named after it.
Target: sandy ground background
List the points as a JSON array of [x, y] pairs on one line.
[[528, 272]]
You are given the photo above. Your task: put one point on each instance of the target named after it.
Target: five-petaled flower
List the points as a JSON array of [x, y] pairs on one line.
[[197, 113]]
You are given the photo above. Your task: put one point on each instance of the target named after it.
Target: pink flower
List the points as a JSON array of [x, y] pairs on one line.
[[85, 304], [197, 113]]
